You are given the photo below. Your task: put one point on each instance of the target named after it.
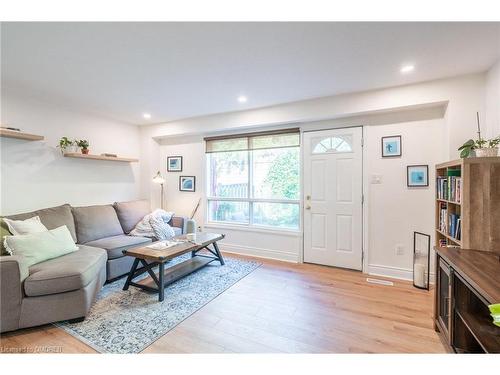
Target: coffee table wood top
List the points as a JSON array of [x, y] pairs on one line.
[[161, 256]]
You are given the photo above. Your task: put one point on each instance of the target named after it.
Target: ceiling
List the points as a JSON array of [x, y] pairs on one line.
[[179, 70]]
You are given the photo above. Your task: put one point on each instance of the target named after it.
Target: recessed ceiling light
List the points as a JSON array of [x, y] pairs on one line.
[[147, 116], [242, 99], [407, 68]]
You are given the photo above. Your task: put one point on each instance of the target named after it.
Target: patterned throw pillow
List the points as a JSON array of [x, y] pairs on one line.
[[161, 229]]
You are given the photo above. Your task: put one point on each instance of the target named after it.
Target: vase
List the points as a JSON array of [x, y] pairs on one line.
[[486, 152]]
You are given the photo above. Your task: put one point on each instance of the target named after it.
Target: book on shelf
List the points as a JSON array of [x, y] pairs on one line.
[[454, 226], [442, 217], [449, 188]]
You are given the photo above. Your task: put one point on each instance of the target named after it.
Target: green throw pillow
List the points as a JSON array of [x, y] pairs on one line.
[[39, 247], [4, 231]]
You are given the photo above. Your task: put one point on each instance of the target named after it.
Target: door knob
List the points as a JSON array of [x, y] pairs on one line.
[[308, 207]]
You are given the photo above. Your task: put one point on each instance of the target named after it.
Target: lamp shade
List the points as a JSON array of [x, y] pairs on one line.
[[158, 179]]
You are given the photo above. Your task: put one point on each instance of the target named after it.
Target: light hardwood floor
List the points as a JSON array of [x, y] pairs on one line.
[[291, 308]]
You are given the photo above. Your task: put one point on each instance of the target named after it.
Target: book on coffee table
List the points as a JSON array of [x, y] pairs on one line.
[[162, 245]]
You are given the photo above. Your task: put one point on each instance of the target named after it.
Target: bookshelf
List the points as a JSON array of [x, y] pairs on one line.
[[468, 204], [467, 259]]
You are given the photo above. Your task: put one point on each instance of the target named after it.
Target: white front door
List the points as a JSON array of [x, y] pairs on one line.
[[333, 194]]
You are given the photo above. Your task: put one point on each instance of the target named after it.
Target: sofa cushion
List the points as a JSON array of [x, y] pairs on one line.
[[130, 213], [95, 222], [52, 217], [66, 273], [116, 244]]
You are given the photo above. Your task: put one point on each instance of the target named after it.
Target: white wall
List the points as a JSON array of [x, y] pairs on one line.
[[422, 144], [463, 94], [35, 175], [492, 98], [394, 210]]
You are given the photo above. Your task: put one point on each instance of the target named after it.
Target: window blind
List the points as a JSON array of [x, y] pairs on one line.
[[254, 141]]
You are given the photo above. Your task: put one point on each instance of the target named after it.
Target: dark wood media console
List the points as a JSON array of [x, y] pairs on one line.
[[467, 281]]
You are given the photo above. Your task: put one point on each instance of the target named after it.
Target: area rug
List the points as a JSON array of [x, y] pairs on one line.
[[129, 321]]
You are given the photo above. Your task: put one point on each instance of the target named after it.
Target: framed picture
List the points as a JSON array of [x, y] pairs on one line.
[[417, 175], [174, 163], [187, 183], [391, 146]]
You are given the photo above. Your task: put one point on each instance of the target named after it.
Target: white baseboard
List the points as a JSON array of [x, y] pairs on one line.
[[259, 252], [393, 272]]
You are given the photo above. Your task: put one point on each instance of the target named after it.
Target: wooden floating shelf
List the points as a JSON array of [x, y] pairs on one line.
[[6, 133], [99, 157]]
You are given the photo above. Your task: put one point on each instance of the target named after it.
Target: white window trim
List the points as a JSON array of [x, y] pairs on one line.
[[251, 226]]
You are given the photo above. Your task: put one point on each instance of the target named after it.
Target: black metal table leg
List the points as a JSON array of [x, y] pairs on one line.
[[161, 286], [219, 255], [131, 274]]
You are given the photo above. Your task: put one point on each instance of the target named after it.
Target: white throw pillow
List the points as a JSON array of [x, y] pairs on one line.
[[39, 247], [28, 226]]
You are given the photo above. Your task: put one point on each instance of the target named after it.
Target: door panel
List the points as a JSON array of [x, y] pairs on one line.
[[333, 197]]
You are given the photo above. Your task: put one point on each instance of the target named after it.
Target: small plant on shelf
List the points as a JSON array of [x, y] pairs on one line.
[[84, 145], [65, 143], [481, 147]]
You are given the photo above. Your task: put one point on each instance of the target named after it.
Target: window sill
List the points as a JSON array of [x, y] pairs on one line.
[[255, 229]]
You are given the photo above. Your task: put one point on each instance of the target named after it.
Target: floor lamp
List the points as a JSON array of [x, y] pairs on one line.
[[158, 179]]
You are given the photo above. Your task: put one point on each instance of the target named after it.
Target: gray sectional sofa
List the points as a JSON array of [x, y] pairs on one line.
[[64, 288]]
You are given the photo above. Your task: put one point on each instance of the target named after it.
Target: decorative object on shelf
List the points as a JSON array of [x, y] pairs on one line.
[[391, 146], [158, 179], [495, 313], [187, 183], [417, 175], [480, 147], [67, 145], [174, 164], [84, 145], [109, 155], [421, 260]]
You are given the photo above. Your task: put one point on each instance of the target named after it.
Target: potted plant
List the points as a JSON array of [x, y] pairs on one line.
[[84, 145], [481, 147], [65, 144]]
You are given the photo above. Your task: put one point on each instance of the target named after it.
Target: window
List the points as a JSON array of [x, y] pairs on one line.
[[254, 179], [333, 145]]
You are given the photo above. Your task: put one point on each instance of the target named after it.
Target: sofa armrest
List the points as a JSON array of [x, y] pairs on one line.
[[12, 274], [179, 222]]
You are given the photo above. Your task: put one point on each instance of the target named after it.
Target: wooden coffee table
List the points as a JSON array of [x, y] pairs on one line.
[[150, 258]]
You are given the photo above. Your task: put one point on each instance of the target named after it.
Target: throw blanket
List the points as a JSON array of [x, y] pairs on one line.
[[155, 225]]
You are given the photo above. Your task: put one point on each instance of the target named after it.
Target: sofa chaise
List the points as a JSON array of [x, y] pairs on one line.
[[64, 288]]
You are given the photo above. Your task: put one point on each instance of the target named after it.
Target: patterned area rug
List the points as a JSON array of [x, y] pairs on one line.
[[129, 321]]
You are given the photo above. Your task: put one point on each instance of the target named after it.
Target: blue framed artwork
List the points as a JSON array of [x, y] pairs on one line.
[[174, 164], [391, 146], [417, 175], [187, 183]]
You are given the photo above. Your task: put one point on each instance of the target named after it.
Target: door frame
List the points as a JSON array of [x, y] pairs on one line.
[[313, 127]]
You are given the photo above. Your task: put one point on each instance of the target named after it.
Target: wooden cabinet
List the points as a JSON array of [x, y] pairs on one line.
[[477, 204], [467, 282]]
